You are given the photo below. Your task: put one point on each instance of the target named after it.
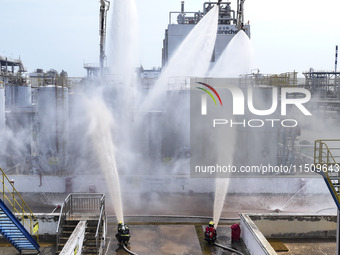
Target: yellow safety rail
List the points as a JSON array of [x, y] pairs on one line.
[[327, 162], [12, 198]]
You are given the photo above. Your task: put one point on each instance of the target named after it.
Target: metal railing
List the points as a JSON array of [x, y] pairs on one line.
[[327, 162], [62, 218], [101, 226], [327, 154], [84, 205], [13, 199]]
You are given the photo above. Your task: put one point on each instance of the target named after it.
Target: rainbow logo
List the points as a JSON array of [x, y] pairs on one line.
[[209, 93]]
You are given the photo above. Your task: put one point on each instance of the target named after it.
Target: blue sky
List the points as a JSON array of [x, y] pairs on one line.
[[63, 34]]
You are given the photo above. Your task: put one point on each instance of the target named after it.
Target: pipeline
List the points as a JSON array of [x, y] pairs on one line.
[[228, 248], [128, 251]]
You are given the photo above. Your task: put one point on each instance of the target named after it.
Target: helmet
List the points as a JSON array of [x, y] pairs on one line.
[[120, 223], [211, 223]]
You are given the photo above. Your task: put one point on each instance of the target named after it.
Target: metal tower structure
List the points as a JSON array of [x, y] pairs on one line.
[[240, 14], [104, 7]]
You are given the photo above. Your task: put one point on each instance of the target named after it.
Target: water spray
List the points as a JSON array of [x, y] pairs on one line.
[[56, 208]]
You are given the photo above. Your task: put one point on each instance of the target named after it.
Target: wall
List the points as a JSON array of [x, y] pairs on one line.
[[166, 183], [47, 224], [295, 226], [255, 228], [254, 240]]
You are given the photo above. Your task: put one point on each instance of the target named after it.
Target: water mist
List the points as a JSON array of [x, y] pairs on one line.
[[191, 58], [100, 130], [236, 59]]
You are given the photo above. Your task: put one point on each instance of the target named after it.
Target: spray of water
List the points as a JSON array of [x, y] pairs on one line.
[[100, 130], [236, 59], [221, 189], [192, 58], [123, 41], [110, 102]]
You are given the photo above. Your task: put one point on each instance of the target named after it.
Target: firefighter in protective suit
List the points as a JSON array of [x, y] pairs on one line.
[[210, 233], [123, 235]]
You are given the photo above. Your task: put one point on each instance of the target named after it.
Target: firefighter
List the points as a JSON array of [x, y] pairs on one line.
[[123, 235], [210, 233]]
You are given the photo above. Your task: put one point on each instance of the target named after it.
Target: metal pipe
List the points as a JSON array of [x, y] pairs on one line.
[[336, 58], [228, 248], [182, 6], [104, 7]]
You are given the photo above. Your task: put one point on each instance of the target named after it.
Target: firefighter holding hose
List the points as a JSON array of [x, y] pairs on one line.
[[210, 233], [123, 235]]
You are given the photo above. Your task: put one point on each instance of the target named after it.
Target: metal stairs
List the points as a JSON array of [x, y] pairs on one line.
[[15, 232], [19, 224], [78, 208], [327, 163]]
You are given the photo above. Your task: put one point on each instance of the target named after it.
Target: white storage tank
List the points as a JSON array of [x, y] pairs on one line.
[[2, 125], [52, 107], [18, 95]]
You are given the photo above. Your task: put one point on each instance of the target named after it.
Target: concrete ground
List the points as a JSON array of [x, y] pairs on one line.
[[170, 239], [159, 239], [47, 248], [180, 239]]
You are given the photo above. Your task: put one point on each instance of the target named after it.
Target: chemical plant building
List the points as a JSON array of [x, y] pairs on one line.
[[56, 200]]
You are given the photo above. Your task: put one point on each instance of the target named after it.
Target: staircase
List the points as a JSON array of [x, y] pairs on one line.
[[90, 244], [327, 163], [89, 208], [11, 228], [14, 231], [68, 228]]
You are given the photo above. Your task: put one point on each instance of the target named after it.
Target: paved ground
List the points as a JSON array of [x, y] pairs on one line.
[[45, 249], [186, 240], [169, 239], [160, 239]]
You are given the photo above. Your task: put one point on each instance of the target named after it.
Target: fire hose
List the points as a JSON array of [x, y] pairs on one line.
[[228, 248], [128, 251]]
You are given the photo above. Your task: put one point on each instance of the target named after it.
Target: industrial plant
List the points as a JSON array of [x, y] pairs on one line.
[[203, 155]]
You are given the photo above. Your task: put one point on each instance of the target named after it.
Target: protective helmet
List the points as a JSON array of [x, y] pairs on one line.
[[120, 223], [211, 223]]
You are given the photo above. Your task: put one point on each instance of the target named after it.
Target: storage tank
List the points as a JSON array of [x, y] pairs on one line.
[[2, 126], [52, 107], [18, 95]]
